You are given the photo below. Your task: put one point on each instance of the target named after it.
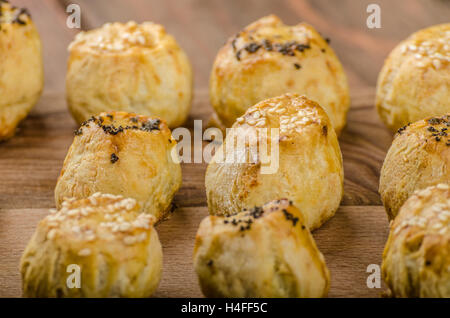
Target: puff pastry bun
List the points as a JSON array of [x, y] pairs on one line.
[[419, 157], [21, 67], [416, 259], [129, 67], [123, 154], [414, 82], [309, 172], [262, 252], [269, 58], [116, 249]]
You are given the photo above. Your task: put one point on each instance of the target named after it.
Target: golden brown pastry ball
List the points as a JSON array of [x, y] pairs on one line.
[[262, 252], [414, 82], [123, 154], [416, 259], [21, 67], [129, 67], [309, 170], [116, 250], [419, 157], [269, 58]]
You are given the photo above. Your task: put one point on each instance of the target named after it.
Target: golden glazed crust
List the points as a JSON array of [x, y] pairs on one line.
[[268, 59], [129, 67], [123, 154], [416, 259], [263, 252], [21, 67], [116, 248], [419, 157], [310, 171], [414, 82]]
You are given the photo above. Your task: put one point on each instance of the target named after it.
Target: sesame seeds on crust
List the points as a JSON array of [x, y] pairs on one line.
[[13, 15], [271, 35], [103, 217], [429, 47], [243, 220], [119, 37], [118, 122], [290, 113], [427, 210], [434, 129]]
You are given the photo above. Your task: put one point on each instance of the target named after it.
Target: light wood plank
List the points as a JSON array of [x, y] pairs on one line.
[[350, 241]]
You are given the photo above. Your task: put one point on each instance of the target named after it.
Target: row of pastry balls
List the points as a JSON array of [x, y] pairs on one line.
[[414, 188], [257, 241], [118, 179], [141, 69]]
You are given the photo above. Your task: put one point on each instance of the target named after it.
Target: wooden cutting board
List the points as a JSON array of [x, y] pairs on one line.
[[354, 238]]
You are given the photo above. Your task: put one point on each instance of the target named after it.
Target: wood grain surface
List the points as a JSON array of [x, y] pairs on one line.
[[353, 239], [30, 162]]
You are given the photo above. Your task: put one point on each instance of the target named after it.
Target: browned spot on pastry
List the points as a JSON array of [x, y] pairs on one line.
[[331, 67], [157, 79], [290, 83]]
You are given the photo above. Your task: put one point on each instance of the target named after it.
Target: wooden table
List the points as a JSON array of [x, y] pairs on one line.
[[30, 162]]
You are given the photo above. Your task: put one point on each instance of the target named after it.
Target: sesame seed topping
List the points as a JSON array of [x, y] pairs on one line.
[[84, 252]]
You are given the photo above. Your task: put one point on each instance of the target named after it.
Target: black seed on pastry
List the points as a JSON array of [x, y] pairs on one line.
[[152, 124], [322, 50], [302, 47], [325, 130], [210, 262], [17, 18], [238, 55], [290, 217], [134, 119], [267, 44], [114, 158], [401, 129], [233, 44], [297, 66], [434, 121], [252, 47], [327, 40]]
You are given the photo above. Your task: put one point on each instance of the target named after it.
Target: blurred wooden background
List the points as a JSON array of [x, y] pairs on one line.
[[353, 239]]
